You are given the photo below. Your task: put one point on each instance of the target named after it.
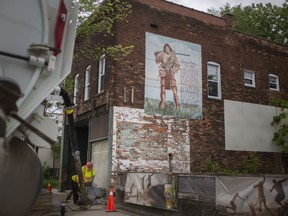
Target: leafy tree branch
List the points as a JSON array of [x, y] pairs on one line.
[[263, 20], [98, 18], [280, 137]]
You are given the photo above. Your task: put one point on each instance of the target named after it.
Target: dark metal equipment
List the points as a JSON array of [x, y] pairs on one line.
[[73, 143]]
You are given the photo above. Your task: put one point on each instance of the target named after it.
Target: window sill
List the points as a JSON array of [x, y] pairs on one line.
[[274, 90], [214, 99], [100, 93], [250, 86]]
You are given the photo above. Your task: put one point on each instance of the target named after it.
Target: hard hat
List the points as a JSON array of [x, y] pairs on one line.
[[89, 164]]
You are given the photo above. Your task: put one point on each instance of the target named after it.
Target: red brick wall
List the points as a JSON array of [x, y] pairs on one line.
[[234, 51]]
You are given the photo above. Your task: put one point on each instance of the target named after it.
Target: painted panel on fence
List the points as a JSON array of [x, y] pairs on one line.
[[252, 195], [173, 77], [150, 189]]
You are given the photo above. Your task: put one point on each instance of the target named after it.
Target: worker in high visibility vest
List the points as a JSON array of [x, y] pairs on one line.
[[88, 177], [88, 173], [75, 189]]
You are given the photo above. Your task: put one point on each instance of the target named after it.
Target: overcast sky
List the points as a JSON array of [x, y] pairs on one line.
[[203, 5]]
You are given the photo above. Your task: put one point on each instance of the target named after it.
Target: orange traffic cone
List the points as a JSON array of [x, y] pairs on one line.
[[111, 205], [49, 187]]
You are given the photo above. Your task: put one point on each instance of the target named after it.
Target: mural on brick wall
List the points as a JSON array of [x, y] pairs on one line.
[[252, 195], [173, 77], [150, 189]]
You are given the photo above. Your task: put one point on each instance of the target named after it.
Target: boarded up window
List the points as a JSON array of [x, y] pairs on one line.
[[99, 126]]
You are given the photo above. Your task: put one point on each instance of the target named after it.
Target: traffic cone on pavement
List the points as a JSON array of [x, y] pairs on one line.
[[49, 187], [111, 205]]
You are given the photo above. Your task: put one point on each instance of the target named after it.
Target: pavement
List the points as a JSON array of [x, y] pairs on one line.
[[71, 209]]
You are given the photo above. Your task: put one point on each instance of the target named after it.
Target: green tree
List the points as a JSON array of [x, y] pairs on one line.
[[281, 136], [270, 22], [267, 21], [97, 17]]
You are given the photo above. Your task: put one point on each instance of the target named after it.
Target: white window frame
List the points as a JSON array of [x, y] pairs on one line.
[[252, 79], [87, 83], [217, 80], [76, 85], [101, 75], [275, 83]]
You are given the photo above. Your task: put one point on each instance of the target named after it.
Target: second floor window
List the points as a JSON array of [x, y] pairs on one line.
[[87, 83], [75, 93], [273, 82], [101, 78], [214, 80], [249, 78]]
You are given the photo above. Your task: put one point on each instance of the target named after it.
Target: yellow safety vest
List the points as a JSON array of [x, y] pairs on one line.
[[75, 178], [88, 174]]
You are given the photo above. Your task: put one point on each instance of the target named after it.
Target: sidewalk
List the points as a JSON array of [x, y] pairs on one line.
[[73, 210]]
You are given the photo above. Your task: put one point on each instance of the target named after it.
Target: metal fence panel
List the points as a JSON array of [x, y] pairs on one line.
[[197, 195]]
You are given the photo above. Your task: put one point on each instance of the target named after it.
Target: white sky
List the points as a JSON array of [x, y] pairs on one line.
[[203, 5]]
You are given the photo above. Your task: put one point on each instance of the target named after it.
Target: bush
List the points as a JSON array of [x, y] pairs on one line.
[[251, 165], [46, 171], [53, 181], [210, 166]]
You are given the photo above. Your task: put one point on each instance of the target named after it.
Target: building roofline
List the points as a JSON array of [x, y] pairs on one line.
[[185, 11]]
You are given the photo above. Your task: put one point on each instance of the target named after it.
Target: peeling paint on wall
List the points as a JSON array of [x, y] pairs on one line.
[[142, 143]]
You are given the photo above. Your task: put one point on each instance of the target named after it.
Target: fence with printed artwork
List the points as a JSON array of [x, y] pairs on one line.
[[208, 195]]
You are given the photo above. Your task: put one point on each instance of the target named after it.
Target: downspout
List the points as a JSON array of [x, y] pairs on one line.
[[110, 148]]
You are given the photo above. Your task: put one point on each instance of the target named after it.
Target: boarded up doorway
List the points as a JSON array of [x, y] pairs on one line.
[[100, 161]]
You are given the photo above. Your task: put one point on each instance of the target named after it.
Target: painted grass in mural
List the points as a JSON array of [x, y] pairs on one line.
[[188, 111]]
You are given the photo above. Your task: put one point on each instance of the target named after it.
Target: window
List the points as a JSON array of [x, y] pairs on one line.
[[273, 82], [101, 81], [214, 80], [76, 79], [87, 83], [249, 78]]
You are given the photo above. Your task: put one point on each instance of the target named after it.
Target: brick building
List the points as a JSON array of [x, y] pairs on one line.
[[225, 82]]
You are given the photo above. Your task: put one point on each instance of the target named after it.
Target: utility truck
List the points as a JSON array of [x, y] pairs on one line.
[[36, 49]]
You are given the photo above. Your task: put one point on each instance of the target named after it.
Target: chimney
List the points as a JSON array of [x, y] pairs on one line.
[[229, 19]]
